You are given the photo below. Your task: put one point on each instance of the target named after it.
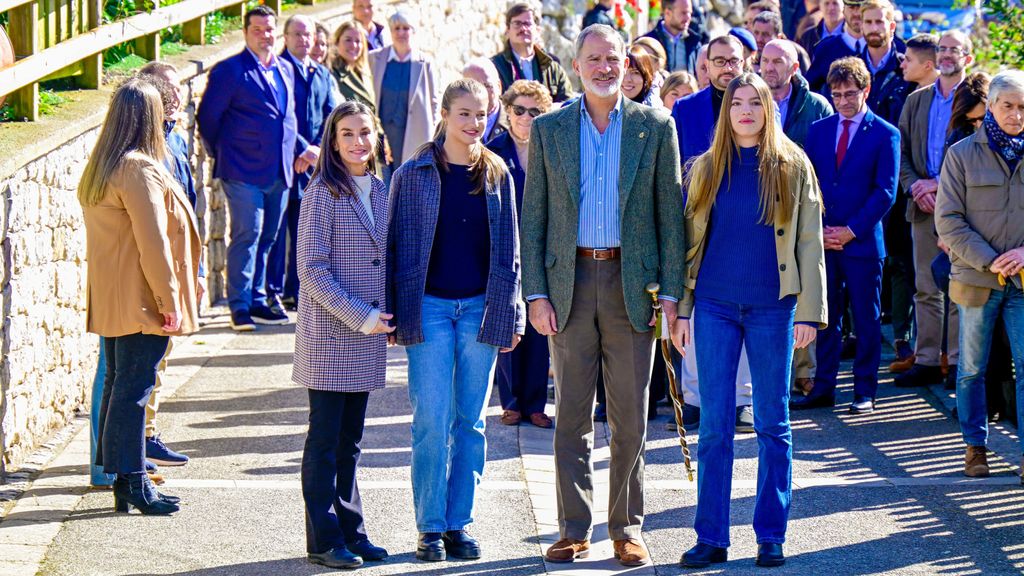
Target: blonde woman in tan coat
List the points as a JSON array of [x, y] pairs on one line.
[[143, 250]]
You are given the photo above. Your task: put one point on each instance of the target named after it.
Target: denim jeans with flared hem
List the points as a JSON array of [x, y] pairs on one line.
[[449, 385], [767, 332], [977, 324]]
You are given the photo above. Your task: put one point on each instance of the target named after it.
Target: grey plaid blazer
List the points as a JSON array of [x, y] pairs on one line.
[[416, 199], [342, 267]]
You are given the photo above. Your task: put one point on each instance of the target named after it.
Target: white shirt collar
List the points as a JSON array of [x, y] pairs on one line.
[[392, 55], [853, 43]]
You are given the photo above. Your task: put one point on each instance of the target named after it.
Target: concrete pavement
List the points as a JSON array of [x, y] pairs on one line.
[[875, 494]]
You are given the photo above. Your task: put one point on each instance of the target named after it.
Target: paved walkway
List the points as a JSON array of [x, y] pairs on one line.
[[876, 494]]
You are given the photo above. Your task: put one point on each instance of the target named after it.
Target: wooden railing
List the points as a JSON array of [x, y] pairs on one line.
[[66, 38]]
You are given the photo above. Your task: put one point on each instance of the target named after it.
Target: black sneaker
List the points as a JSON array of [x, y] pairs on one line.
[[275, 305], [919, 375], [264, 315], [951, 378], [241, 321], [290, 303]]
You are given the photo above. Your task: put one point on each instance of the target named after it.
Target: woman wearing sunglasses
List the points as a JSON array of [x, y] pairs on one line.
[[522, 375]]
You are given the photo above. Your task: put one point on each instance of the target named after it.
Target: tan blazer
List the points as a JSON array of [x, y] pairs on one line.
[[424, 103], [143, 247], [914, 145], [799, 247]]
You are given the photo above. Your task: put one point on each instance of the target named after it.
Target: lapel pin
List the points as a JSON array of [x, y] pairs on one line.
[[642, 134]]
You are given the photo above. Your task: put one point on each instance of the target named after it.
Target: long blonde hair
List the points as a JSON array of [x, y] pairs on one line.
[[134, 123], [778, 159], [486, 168], [337, 61]]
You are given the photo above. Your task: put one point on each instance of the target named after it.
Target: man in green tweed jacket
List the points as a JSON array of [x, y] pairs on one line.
[[602, 217]]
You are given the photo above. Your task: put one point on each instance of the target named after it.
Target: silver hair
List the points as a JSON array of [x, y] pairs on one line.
[[309, 22], [961, 37], [401, 17], [1005, 81], [601, 31], [484, 64]]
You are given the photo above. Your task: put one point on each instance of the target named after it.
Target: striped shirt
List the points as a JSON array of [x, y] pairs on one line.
[[599, 180]]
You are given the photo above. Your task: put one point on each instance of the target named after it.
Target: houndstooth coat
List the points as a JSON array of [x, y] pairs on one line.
[[342, 269]]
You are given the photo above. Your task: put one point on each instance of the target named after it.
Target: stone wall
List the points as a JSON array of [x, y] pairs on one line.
[[48, 358]]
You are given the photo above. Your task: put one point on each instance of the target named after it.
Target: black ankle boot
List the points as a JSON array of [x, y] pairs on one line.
[[165, 497], [135, 490]]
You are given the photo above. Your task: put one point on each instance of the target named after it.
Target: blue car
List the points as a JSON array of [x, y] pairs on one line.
[[934, 17]]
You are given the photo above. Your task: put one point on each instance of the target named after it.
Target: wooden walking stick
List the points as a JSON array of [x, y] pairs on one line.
[[664, 337]]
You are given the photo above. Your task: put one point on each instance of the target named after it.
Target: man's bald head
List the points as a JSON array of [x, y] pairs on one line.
[[785, 46], [483, 71], [779, 62]]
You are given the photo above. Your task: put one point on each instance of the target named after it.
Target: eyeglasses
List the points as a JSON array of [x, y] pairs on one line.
[[520, 24], [954, 51], [520, 110], [851, 95], [726, 62], [976, 121]]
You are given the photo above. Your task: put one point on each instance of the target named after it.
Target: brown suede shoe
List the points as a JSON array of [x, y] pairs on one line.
[[511, 418], [631, 552], [567, 550], [804, 385], [540, 420], [976, 462], [901, 366]]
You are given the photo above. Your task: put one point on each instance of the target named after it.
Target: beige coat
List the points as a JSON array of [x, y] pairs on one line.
[[799, 246], [914, 145], [979, 211], [424, 102], [143, 250]]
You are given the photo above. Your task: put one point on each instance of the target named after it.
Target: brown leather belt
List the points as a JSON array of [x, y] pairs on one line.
[[599, 254]]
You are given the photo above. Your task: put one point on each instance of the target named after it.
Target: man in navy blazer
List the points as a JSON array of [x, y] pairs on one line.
[[696, 115], [314, 101], [856, 156], [247, 122]]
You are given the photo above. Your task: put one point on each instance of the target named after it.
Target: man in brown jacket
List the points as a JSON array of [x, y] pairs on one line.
[[978, 213], [923, 128]]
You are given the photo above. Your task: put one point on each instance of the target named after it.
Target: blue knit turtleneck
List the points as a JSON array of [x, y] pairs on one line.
[[740, 264]]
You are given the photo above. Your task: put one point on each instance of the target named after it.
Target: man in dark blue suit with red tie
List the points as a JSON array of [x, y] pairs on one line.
[[314, 101], [856, 156], [247, 122]]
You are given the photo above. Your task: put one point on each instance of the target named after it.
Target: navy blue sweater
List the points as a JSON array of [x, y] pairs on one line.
[[460, 257], [740, 264]]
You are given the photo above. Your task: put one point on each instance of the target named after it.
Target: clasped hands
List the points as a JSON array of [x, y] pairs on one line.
[[835, 237], [923, 192], [1009, 264]]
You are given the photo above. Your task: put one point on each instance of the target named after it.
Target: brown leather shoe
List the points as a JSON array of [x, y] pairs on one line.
[[804, 385], [156, 478], [567, 550], [976, 462], [901, 366], [631, 552], [541, 420], [511, 418]]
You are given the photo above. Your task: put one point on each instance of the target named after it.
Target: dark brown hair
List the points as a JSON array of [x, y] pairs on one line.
[[924, 45], [258, 10], [517, 9], [849, 70], [642, 62], [329, 167], [971, 92]]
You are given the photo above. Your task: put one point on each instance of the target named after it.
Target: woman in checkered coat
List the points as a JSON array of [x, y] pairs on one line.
[[454, 272], [341, 334]]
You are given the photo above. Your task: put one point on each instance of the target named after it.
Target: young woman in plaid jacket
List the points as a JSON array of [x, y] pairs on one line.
[[454, 272]]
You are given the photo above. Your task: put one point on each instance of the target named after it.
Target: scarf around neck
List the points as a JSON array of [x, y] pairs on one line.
[[1011, 148]]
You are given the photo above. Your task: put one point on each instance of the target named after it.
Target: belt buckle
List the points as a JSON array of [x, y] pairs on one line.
[[601, 254]]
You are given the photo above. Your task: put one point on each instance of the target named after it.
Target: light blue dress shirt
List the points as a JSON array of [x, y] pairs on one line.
[[938, 123], [599, 180], [272, 74]]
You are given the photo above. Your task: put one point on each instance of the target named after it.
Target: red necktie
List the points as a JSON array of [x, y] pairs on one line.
[[844, 143]]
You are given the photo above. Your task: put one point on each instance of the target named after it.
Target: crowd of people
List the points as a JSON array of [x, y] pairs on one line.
[[788, 184]]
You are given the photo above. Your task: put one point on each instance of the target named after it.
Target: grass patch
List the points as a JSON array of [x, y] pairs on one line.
[[126, 64]]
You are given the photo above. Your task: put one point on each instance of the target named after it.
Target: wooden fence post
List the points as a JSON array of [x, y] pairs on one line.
[[92, 75], [194, 31], [235, 10], [148, 46], [274, 5], [23, 27]]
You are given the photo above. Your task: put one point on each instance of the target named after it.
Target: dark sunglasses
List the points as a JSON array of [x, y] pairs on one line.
[[520, 110]]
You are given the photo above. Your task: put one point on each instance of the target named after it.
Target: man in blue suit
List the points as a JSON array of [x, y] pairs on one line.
[[856, 156], [247, 122], [848, 42], [314, 101]]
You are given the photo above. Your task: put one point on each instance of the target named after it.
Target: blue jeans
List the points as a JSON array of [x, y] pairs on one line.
[[767, 332], [976, 326], [255, 213], [449, 385], [97, 477], [129, 379]]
